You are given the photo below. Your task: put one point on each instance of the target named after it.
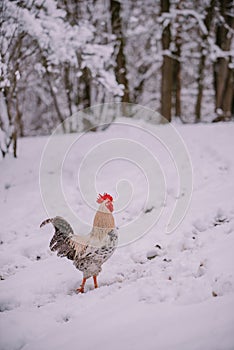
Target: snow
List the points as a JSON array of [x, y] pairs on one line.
[[182, 298]]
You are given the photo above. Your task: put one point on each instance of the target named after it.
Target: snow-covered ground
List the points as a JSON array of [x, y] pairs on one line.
[[183, 298]]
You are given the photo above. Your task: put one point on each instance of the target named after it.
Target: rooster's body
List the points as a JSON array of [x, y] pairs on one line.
[[87, 252]]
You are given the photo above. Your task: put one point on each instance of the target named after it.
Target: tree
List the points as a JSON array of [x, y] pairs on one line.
[[13, 50], [223, 71], [167, 65], [120, 67], [53, 62], [177, 59], [209, 11]]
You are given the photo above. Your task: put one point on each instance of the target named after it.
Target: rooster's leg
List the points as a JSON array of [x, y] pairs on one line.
[[81, 289], [95, 281]]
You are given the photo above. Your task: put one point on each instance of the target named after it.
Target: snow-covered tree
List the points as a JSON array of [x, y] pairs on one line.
[[53, 62]]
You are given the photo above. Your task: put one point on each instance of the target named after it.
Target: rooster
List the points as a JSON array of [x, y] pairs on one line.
[[87, 252]]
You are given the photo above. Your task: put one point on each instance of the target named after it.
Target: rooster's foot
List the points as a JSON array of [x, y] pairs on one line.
[[81, 289]]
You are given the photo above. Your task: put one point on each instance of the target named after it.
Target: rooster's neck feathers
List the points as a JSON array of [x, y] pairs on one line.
[[103, 223]]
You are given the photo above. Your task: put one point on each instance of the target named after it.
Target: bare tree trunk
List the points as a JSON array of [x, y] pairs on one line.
[[178, 92], [120, 68], [202, 62], [200, 87], [223, 74], [228, 98], [87, 87], [12, 131], [19, 117], [68, 87], [56, 105], [167, 67], [14, 140], [177, 63], [83, 97]]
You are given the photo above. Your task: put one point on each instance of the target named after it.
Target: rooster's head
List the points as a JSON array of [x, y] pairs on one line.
[[106, 202]]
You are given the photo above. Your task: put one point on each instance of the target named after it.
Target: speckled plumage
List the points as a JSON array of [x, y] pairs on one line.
[[87, 252]]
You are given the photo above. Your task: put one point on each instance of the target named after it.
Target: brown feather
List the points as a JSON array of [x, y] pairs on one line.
[[103, 220]]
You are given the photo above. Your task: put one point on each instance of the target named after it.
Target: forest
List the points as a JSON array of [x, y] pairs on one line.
[[58, 57]]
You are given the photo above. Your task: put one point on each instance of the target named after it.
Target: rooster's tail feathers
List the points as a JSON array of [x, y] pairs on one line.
[[60, 225], [47, 221]]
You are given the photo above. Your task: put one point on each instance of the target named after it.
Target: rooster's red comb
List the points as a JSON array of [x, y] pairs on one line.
[[103, 197]]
